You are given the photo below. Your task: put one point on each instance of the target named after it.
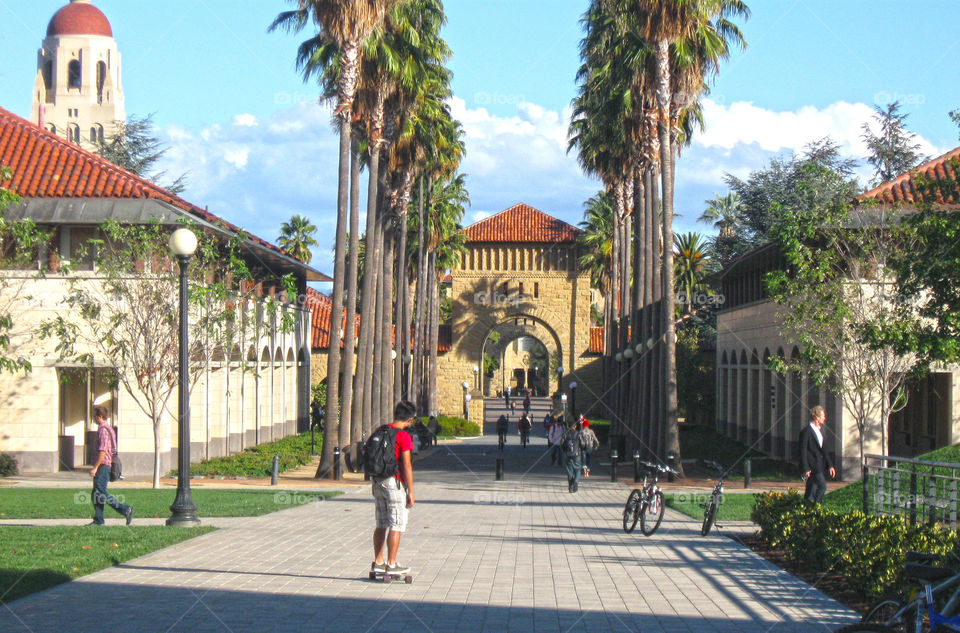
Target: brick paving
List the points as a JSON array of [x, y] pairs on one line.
[[519, 555]]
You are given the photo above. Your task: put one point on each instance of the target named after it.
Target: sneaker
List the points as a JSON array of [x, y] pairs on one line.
[[128, 515], [93, 523], [378, 568], [397, 570]]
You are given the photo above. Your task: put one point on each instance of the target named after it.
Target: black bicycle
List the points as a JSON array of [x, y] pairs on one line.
[[646, 504], [716, 500]]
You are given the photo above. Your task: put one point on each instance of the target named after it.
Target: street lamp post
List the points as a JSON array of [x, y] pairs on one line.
[[573, 399], [476, 377], [559, 377], [183, 243], [563, 401], [466, 399], [407, 359]]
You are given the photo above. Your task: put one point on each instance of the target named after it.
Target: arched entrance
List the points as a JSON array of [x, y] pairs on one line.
[[521, 353]]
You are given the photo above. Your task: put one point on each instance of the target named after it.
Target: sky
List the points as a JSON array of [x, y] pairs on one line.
[[257, 148]]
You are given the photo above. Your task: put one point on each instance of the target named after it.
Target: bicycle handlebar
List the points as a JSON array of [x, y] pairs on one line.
[[659, 468], [711, 464]]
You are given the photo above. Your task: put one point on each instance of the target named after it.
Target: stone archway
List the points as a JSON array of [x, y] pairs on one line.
[[522, 348]]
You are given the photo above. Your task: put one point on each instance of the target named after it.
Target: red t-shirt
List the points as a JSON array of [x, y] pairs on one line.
[[404, 443]]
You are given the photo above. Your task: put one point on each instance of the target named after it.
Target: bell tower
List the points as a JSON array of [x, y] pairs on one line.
[[77, 94]]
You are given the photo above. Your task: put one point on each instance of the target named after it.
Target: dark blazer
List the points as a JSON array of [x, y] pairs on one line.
[[812, 456]]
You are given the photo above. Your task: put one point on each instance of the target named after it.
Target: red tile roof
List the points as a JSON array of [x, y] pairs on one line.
[[521, 223], [596, 340], [904, 189], [79, 18], [47, 166]]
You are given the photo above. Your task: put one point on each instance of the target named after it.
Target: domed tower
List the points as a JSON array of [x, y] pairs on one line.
[[77, 94]]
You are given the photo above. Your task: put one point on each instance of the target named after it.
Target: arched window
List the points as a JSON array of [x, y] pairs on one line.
[[96, 134], [51, 128], [101, 79], [73, 74], [48, 74], [73, 133]]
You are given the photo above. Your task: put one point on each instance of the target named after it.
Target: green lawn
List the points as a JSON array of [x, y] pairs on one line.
[[257, 461], [65, 503], [736, 507], [36, 558]]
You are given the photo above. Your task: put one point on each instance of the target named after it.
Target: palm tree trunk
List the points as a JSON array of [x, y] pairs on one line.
[[376, 389], [349, 420], [419, 356], [636, 297], [332, 434], [371, 274], [434, 317], [614, 327], [387, 397], [401, 277], [656, 369]]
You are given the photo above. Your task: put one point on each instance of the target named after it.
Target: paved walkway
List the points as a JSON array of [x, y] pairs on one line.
[[520, 555]]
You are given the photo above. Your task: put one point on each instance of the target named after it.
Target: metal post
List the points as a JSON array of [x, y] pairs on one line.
[[865, 478], [913, 494], [614, 458], [747, 474], [274, 477], [636, 467], [337, 465], [184, 509], [499, 474]]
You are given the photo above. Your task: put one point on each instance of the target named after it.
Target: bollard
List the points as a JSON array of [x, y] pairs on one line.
[[276, 470], [313, 444], [636, 467], [614, 457], [337, 465], [499, 474], [746, 473]]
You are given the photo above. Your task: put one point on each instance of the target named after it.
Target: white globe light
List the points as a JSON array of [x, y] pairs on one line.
[[468, 397], [573, 385], [563, 397], [628, 353], [476, 369], [639, 348], [393, 354], [465, 384], [183, 242], [560, 369], [618, 357]]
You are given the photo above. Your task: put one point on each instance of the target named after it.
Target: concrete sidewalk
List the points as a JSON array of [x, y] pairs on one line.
[[520, 555]]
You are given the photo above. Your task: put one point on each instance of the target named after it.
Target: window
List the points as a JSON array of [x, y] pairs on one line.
[[73, 74], [521, 288], [73, 133], [51, 128], [536, 289], [101, 79], [96, 134], [48, 74]]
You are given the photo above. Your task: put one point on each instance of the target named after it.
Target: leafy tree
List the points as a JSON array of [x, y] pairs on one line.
[[297, 238], [134, 146], [127, 317], [892, 151], [836, 290]]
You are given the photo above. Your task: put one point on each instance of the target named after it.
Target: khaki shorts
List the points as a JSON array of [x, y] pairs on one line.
[[391, 499]]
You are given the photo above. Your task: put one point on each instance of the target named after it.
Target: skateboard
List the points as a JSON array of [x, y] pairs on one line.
[[385, 577]]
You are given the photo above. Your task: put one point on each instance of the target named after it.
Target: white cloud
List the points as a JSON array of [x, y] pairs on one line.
[[481, 215], [245, 120]]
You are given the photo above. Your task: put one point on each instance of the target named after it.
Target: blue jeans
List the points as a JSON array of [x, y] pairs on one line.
[[101, 496], [816, 487]]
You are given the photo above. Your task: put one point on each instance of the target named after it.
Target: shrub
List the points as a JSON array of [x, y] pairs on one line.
[[257, 461], [867, 550], [457, 427], [8, 465]]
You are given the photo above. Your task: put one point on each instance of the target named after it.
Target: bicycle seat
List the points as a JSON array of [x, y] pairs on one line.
[[920, 557], [918, 571]]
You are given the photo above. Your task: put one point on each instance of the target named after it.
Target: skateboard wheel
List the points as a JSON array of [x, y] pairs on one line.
[[408, 579], [386, 578], [373, 575]]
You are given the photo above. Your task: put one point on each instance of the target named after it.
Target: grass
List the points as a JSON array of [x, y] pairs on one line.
[[850, 497], [702, 442], [257, 461], [735, 507], [65, 503], [37, 558]]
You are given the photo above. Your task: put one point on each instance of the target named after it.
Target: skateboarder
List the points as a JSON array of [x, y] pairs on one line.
[[394, 496]]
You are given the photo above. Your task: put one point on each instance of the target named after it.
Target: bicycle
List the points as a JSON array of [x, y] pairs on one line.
[[716, 499], [907, 616], [646, 504]]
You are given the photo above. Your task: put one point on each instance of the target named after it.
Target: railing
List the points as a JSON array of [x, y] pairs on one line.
[[917, 489]]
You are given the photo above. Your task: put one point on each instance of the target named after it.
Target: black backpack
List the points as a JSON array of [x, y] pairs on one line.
[[379, 456], [571, 443]]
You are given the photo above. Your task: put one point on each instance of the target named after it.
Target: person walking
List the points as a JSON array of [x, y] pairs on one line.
[[588, 442], [554, 439], [106, 449], [524, 425], [393, 495], [814, 461], [572, 456], [502, 426], [506, 397], [546, 423], [526, 403]]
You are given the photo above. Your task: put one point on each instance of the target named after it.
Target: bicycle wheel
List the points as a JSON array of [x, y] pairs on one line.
[[652, 514], [866, 628], [881, 611], [709, 516], [631, 511]]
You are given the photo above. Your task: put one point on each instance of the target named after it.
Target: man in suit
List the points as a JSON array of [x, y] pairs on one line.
[[814, 461]]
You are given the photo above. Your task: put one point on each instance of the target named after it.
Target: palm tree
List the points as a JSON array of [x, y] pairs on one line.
[[690, 262], [345, 24], [296, 237], [596, 246], [722, 212]]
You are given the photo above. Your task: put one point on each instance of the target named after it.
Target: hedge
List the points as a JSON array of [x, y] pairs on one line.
[[8, 465], [451, 426], [868, 551]]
